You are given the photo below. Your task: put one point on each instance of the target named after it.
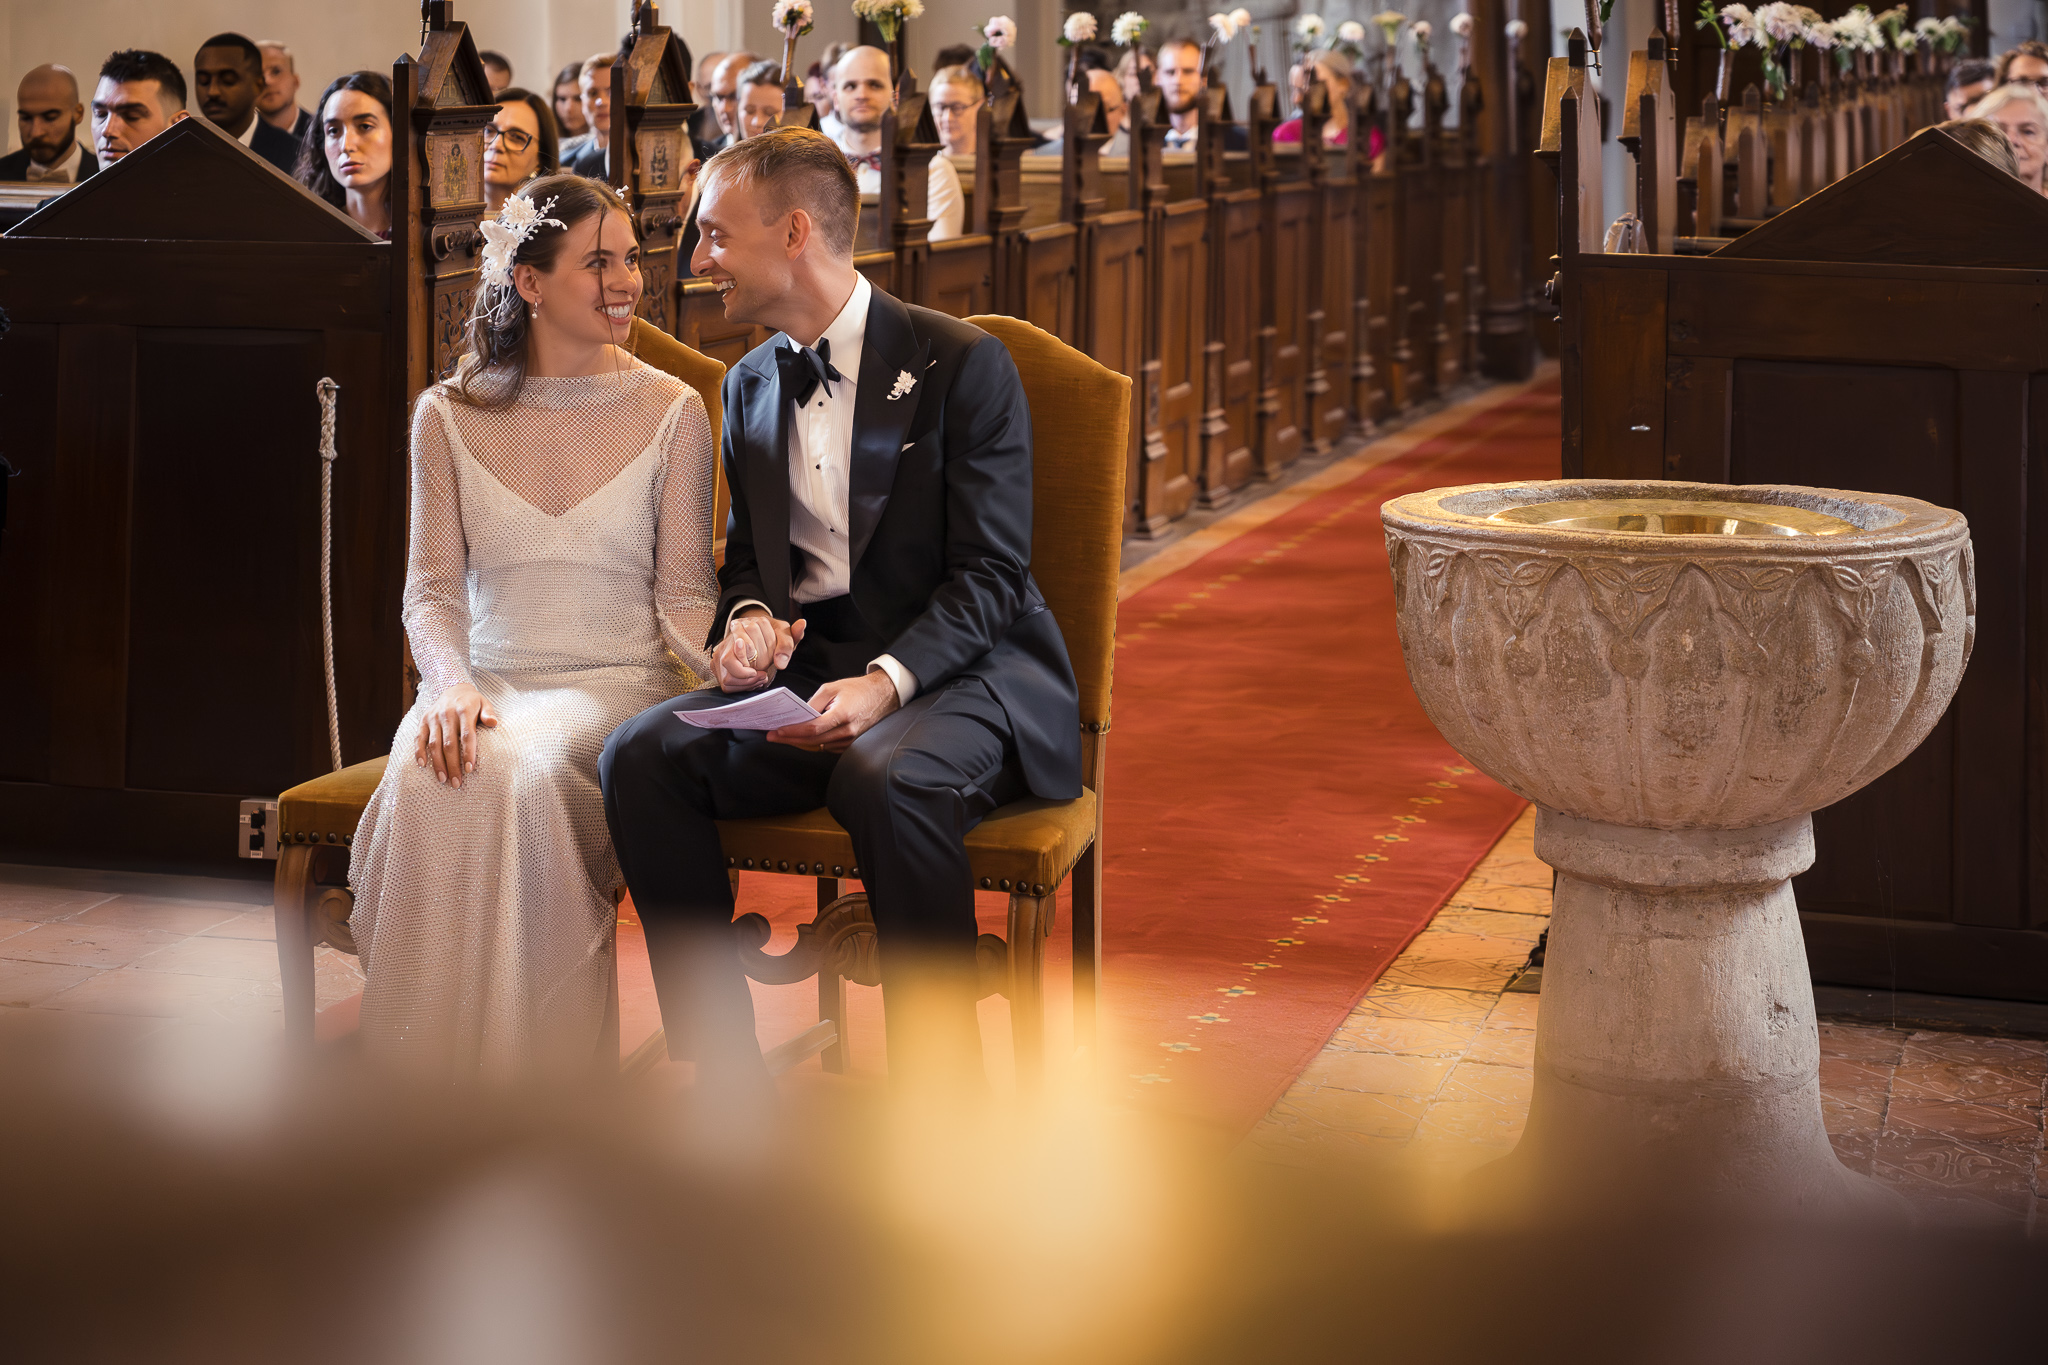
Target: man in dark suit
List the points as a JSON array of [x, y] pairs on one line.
[[227, 75], [878, 563], [47, 106], [278, 104]]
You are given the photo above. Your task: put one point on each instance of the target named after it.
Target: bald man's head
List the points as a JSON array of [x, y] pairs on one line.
[[47, 107], [861, 93]]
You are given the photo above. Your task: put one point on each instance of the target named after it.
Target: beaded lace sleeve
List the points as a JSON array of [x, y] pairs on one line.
[[435, 608], [685, 582]]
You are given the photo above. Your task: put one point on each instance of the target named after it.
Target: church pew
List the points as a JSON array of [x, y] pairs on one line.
[[1231, 369], [1880, 334], [1174, 306], [1287, 204], [1376, 245]]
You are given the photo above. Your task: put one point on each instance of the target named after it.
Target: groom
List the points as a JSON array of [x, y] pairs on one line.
[[878, 564]]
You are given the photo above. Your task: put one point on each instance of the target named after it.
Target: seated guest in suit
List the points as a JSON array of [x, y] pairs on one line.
[[497, 70], [227, 75], [725, 97], [279, 102], [519, 145], [760, 98], [861, 89], [1181, 80], [594, 82], [1105, 84], [878, 563], [957, 96], [47, 106], [569, 120], [346, 157], [704, 130], [140, 94], [1969, 80], [2021, 111]]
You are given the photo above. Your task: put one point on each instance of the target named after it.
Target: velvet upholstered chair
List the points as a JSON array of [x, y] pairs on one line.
[[1080, 419]]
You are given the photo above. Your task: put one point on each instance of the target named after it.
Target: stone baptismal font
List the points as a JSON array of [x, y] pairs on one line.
[[1677, 675]]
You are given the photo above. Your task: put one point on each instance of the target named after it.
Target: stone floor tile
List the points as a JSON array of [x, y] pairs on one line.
[[1480, 1082], [1987, 1084], [1407, 1037], [41, 1028], [236, 959], [1504, 1047], [1421, 1002], [1854, 1150], [249, 924], [10, 927], [85, 945], [1378, 1073], [1515, 868], [1450, 973], [1970, 1049], [336, 976], [1514, 1011], [42, 903], [260, 1006], [1482, 893], [1379, 1117], [2014, 1125], [1990, 1171], [1519, 930], [1478, 1122], [32, 983], [1852, 1112], [1844, 1076], [163, 995], [160, 913], [1439, 942], [1862, 1042]]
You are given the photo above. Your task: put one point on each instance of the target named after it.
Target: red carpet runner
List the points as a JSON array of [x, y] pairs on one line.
[[1282, 818]]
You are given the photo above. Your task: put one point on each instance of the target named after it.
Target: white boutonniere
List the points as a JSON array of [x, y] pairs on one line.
[[905, 382]]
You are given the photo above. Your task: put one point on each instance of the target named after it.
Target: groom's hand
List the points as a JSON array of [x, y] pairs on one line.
[[756, 646], [850, 708]]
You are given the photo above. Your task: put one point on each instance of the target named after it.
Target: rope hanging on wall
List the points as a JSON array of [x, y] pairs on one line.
[[330, 393]]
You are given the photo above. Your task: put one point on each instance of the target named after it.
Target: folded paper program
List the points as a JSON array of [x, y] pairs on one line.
[[765, 711]]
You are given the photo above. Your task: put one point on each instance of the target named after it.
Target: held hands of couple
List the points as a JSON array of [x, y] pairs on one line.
[[448, 740], [757, 646]]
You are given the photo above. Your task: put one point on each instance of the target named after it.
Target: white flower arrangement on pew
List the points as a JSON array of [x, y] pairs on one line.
[[1350, 40], [1420, 32], [1079, 28], [1128, 28], [792, 18], [999, 34], [888, 15], [1308, 33]]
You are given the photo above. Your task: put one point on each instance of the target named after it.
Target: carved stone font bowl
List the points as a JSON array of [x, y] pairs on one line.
[[1677, 675], [1677, 655]]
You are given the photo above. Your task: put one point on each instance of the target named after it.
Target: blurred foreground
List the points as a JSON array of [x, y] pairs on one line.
[[182, 1203]]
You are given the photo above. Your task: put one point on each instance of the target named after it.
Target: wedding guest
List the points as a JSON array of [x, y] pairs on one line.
[[1180, 81], [278, 105], [227, 75], [1333, 69], [2027, 63], [594, 82], [519, 144], [140, 94], [1135, 60], [346, 157], [956, 99], [48, 110], [1969, 80], [569, 105], [760, 98], [558, 582], [862, 94], [704, 129], [497, 70], [2021, 111], [725, 96], [1983, 137], [818, 88], [905, 612], [1104, 84]]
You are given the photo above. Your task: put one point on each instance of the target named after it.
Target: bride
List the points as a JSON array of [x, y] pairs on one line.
[[559, 583]]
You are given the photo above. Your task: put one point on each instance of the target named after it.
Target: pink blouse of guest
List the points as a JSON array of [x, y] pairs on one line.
[[1290, 131]]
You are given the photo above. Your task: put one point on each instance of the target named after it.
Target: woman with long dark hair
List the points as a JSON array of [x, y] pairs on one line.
[[558, 583], [345, 156]]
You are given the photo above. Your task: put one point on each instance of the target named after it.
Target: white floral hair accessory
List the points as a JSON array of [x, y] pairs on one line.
[[503, 236]]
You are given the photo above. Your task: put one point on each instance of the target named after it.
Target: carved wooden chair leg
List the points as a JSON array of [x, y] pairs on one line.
[[832, 995], [1031, 920], [292, 908], [1085, 884]]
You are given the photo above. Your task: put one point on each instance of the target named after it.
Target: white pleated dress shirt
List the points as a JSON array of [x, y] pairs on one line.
[[821, 473]]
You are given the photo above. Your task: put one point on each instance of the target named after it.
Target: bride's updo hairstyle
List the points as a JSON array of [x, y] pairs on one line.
[[500, 328]]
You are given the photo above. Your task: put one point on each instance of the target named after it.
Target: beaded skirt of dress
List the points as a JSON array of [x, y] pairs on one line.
[[561, 563]]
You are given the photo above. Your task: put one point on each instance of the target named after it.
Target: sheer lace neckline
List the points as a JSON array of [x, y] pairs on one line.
[[576, 390]]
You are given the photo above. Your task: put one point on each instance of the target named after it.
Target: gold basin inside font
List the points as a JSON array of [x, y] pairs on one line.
[[1676, 517]]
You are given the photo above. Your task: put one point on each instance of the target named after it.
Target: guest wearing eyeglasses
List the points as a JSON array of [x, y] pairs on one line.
[[2026, 64], [519, 144], [957, 97]]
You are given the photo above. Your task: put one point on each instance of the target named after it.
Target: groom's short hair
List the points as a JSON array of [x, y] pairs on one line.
[[795, 168]]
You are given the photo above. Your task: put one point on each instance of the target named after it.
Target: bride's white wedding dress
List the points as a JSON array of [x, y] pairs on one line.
[[561, 563]]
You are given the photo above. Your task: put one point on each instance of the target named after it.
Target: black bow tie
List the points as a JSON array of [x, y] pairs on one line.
[[803, 369]]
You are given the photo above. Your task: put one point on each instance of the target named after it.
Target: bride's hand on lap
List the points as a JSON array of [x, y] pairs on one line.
[[848, 709], [447, 741], [756, 646]]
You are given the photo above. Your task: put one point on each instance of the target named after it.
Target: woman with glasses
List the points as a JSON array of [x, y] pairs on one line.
[[519, 144], [345, 156], [957, 97]]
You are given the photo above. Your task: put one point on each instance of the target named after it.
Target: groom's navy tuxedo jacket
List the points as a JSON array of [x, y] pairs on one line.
[[940, 521]]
